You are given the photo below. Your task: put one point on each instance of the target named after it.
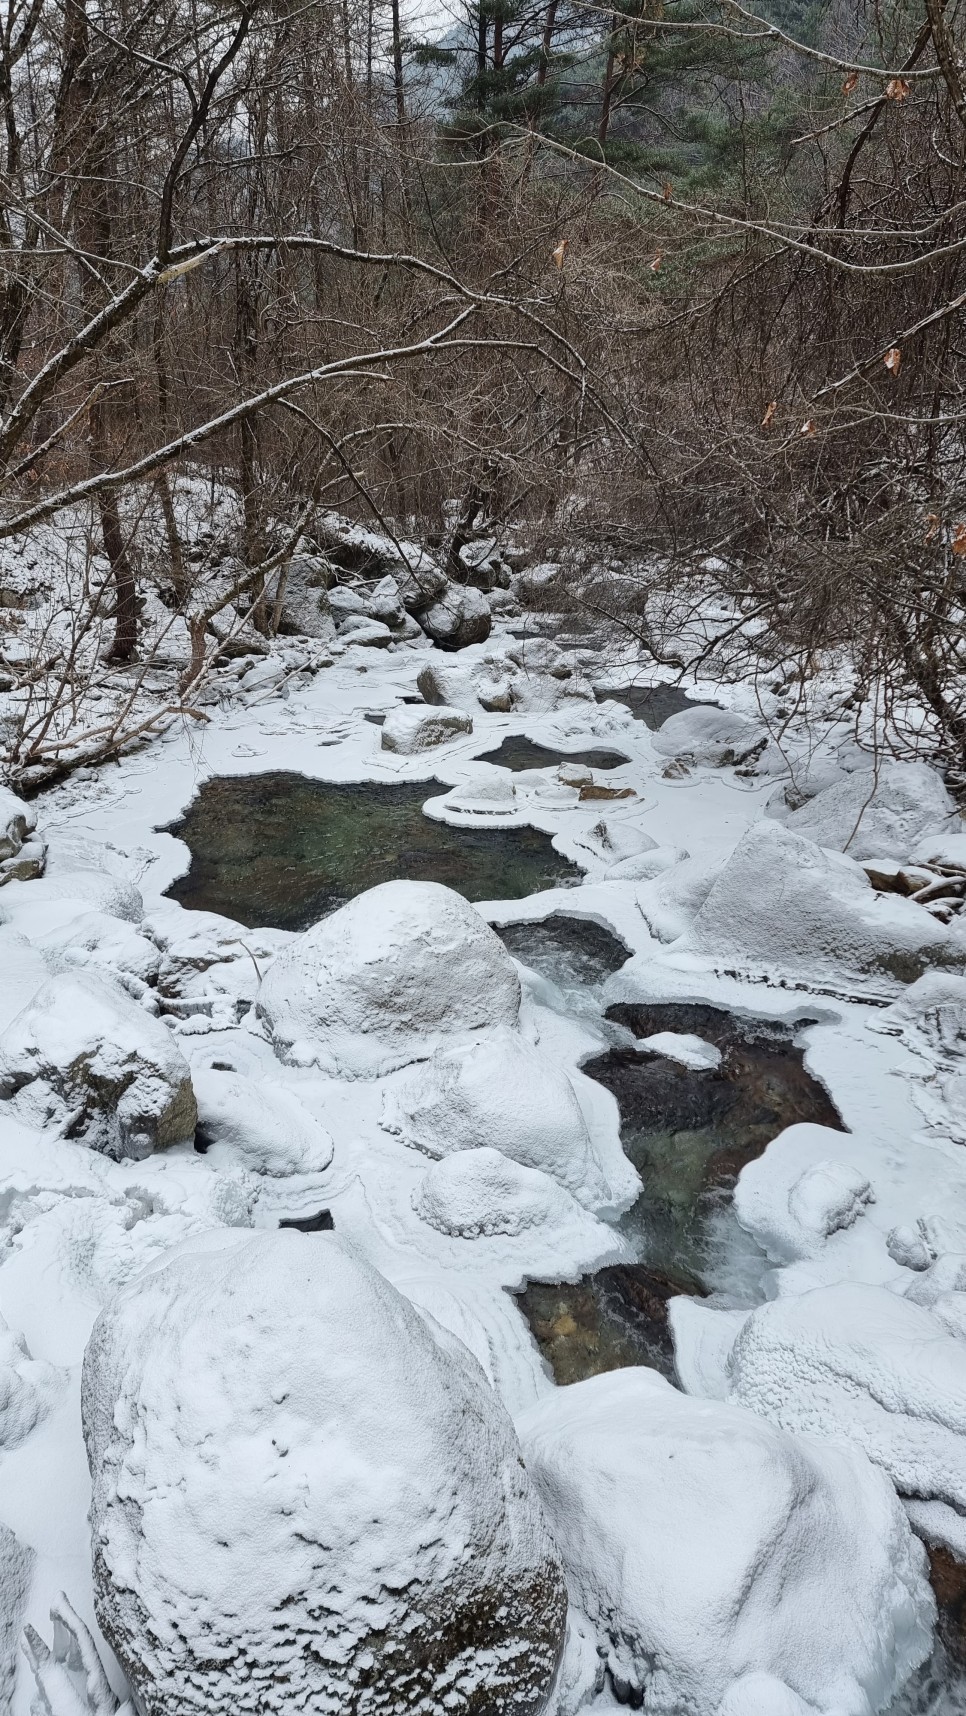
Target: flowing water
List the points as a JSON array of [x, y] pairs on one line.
[[281, 851]]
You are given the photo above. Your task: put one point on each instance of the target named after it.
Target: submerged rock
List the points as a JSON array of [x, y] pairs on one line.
[[386, 979], [502, 1092], [85, 1057], [305, 1498], [704, 1546]]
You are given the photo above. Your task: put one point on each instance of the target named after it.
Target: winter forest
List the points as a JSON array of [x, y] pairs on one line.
[[482, 861]]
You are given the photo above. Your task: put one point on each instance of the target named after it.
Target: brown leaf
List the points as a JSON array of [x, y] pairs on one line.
[[897, 89], [656, 261], [769, 413], [850, 83], [932, 522], [893, 359], [958, 544], [808, 427], [668, 191], [560, 252]]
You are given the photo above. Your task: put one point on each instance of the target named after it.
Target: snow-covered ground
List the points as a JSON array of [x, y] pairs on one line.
[[734, 1550]]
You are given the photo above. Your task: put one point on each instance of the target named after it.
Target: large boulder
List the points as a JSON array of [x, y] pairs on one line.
[[28, 1389], [500, 1091], [714, 737], [858, 1363], [782, 903], [83, 1056], [386, 979], [458, 617], [16, 1569], [408, 730], [306, 1499], [877, 813], [704, 1546], [505, 680], [22, 851]]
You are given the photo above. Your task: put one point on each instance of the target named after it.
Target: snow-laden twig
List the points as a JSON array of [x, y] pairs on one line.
[[70, 1676]]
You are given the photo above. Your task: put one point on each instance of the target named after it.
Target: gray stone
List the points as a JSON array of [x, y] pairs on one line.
[[407, 730], [459, 617]]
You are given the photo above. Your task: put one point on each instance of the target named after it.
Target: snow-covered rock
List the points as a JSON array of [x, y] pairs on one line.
[[705, 1546], [498, 1090], [306, 1498], [859, 1363], [685, 1048], [28, 1388], [713, 737], [498, 682], [385, 979], [99, 940], [482, 1192], [386, 603], [879, 813], [460, 615], [260, 1124], [199, 948], [932, 1010], [36, 906], [792, 1222], [372, 634], [411, 729], [69, 1675], [85, 1057], [16, 1562], [672, 900], [781, 903], [17, 821]]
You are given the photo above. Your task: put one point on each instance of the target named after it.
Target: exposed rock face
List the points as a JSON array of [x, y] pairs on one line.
[[704, 1545], [305, 1500], [459, 616], [408, 730], [879, 813], [385, 979], [84, 1056]]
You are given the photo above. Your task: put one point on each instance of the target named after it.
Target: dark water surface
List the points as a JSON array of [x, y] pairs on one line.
[[281, 851], [518, 752], [654, 704]]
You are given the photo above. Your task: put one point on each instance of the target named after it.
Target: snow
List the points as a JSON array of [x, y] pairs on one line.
[[407, 730], [385, 978], [715, 737], [482, 1191], [500, 1091], [298, 1480], [266, 1130], [704, 1545], [878, 813], [83, 1056], [685, 1048]]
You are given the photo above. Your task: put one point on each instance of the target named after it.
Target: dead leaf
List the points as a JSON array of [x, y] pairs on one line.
[[850, 83], [893, 359], [958, 544], [656, 261], [560, 252], [668, 191], [769, 413], [932, 520], [808, 427], [897, 89]]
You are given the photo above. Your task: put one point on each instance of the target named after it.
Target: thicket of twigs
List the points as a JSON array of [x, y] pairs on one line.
[[264, 245]]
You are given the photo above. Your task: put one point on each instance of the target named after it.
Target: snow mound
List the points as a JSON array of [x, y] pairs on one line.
[[17, 821], [712, 737], [705, 1546], [858, 1363], [685, 1048], [385, 979], [482, 1192], [264, 1126], [500, 1091], [934, 1009], [408, 730], [794, 1222], [28, 1388], [85, 1057], [297, 1484], [671, 902], [876, 813], [98, 940], [782, 903]]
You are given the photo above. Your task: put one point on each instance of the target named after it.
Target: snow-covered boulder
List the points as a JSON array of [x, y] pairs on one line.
[[35, 906], [17, 821], [879, 813], [498, 1090], [306, 1498], [260, 1124], [794, 1221], [304, 608], [482, 1192], [783, 903], [385, 979], [386, 604], [672, 900], [101, 941], [16, 1566], [932, 1009], [202, 951], [371, 634], [501, 681], [28, 1389], [410, 729], [858, 1363], [713, 737], [83, 1056], [457, 617], [705, 1546]]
